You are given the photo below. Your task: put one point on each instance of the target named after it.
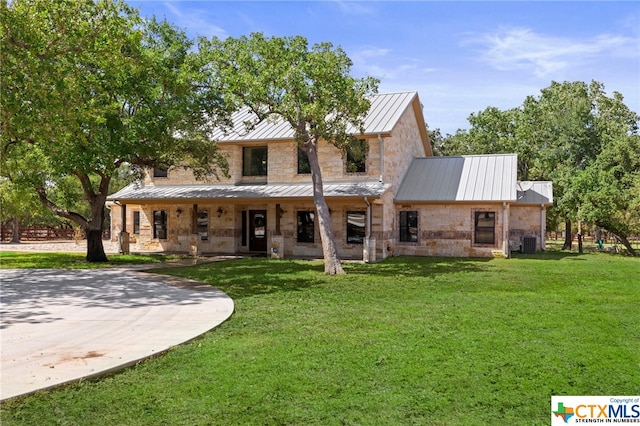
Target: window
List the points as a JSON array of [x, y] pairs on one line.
[[355, 227], [254, 161], [202, 224], [160, 172], [485, 224], [356, 153], [303, 162], [160, 224], [306, 221], [136, 222], [409, 227]]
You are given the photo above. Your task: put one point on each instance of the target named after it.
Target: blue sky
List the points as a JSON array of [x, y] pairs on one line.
[[461, 57]]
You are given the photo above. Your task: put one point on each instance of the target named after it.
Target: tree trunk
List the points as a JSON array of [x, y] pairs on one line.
[[625, 242], [95, 248], [568, 238], [332, 264], [93, 225], [15, 231]]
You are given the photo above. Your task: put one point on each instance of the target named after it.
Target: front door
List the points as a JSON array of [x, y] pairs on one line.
[[258, 230]]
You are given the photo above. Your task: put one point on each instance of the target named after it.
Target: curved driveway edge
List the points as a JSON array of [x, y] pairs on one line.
[[58, 326]]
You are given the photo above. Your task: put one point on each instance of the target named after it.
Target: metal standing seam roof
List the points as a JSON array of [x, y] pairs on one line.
[[386, 109], [460, 179], [535, 192], [135, 192]]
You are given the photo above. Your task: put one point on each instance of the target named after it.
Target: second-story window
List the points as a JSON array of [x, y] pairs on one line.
[[356, 156], [254, 161], [303, 162], [160, 172]]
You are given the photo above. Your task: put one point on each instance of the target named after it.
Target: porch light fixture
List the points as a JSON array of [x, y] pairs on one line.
[[219, 211], [179, 212]]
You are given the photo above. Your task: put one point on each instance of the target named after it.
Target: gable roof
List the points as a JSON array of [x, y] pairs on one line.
[[538, 192], [386, 109], [460, 179]]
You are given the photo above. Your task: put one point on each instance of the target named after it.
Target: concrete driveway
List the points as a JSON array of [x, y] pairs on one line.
[[58, 326]]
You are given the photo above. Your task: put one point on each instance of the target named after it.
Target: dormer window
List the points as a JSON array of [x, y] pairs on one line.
[[356, 156], [160, 172], [254, 161]]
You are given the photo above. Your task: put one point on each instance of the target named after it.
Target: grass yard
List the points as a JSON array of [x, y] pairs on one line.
[[425, 341], [9, 259]]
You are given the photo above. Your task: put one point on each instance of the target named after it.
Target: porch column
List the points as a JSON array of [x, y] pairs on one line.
[[194, 238]]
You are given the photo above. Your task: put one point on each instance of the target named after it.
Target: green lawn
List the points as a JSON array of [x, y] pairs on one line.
[[405, 341], [9, 259]]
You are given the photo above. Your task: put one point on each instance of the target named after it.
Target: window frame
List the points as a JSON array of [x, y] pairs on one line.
[[303, 159], [160, 172], [247, 168], [160, 227], [199, 226], [349, 234], [478, 239], [310, 236], [348, 158], [136, 222], [406, 236]]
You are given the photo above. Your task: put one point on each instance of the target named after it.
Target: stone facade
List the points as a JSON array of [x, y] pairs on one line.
[[226, 225], [448, 230]]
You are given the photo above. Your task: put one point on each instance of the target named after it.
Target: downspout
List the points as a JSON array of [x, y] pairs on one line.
[[381, 149], [367, 235], [368, 228], [543, 225], [505, 231]]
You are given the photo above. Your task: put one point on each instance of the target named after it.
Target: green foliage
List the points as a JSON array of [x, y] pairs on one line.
[[609, 189], [558, 136], [282, 77], [89, 87], [396, 342]]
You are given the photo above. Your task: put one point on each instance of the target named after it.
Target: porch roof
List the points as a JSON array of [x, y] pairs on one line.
[[172, 193], [538, 192]]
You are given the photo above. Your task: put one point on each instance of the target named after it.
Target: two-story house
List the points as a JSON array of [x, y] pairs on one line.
[[382, 196]]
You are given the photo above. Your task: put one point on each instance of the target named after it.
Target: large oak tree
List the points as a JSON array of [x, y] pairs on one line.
[[88, 88], [568, 134], [309, 87]]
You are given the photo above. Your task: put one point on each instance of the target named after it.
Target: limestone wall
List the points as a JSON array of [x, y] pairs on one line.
[[282, 166], [528, 221], [448, 230]]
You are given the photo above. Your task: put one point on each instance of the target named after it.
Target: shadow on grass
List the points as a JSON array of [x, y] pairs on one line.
[[406, 266], [550, 255], [240, 278]]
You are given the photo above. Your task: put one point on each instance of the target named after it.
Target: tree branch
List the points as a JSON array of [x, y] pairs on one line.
[[77, 218]]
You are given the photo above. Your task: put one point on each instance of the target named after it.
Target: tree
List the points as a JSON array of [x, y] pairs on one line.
[[556, 135], [608, 191], [88, 87], [310, 88]]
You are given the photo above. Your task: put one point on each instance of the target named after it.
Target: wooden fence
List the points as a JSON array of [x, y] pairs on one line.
[[40, 234]]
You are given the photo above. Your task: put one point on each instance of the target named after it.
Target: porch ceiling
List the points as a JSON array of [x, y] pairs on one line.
[[137, 193]]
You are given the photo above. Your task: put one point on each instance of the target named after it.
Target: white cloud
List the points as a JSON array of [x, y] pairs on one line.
[[543, 55], [354, 7], [196, 21]]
